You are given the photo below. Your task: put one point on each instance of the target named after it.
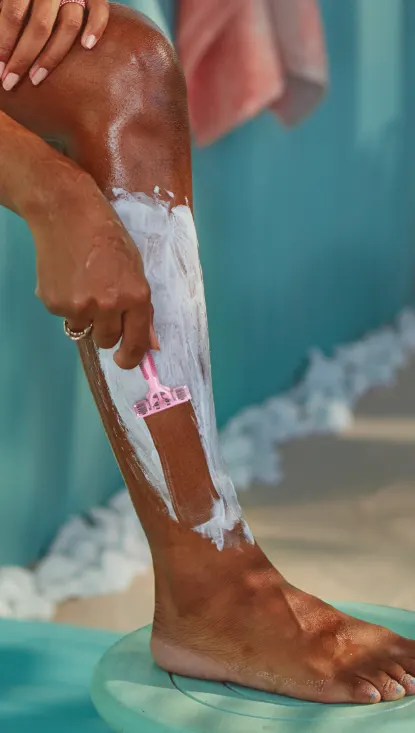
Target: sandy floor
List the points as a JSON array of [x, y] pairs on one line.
[[342, 525]]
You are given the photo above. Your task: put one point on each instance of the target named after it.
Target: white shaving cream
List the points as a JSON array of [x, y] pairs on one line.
[[167, 241]]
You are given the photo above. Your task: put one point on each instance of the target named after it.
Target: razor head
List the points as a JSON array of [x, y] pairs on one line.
[[161, 400]]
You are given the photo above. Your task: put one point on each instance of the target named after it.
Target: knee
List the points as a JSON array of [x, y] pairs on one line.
[[133, 73]]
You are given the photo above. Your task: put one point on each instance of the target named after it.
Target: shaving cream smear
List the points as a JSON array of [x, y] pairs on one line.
[[167, 241]]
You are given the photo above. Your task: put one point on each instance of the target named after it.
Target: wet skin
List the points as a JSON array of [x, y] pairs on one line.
[[120, 115]]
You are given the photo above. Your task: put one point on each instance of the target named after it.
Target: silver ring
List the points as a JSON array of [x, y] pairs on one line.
[[76, 335]]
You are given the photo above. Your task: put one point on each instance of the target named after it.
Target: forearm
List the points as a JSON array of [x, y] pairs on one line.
[[28, 168]]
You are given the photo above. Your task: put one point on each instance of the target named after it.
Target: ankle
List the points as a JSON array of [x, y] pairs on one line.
[[188, 583], [188, 556]]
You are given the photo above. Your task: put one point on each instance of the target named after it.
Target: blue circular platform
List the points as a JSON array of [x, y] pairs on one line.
[[134, 696]]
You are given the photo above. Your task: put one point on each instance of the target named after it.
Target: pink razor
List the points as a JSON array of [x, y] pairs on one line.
[[158, 398]]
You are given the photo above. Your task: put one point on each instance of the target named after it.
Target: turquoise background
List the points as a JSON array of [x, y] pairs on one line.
[[306, 239]]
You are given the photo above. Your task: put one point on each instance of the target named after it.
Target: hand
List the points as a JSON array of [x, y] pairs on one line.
[[90, 271], [38, 34]]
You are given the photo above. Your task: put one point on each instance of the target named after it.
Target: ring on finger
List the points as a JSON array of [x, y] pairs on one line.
[[82, 3], [76, 335]]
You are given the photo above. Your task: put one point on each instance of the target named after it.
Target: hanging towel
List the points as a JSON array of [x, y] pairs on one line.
[[243, 56]]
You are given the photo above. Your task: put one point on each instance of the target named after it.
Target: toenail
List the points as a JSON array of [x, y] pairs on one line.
[[399, 688], [374, 695]]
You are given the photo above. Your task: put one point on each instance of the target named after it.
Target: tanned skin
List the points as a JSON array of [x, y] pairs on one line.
[[120, 115]]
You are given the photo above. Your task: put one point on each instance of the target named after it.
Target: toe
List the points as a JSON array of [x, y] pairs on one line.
[[398, 672], [388, 688], [347, 688], [408, 665], [408, 682], [408, 679], [362, 691]]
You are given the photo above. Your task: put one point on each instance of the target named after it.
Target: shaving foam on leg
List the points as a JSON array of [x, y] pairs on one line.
[[167, 241]]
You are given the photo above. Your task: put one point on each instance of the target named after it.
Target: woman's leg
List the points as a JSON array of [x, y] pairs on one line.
[[222, 611]]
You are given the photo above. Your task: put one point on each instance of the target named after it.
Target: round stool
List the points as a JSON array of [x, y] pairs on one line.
[[134, 696]]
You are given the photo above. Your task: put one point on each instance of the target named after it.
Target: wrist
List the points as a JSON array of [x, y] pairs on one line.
[[33, 176], [57, 183]]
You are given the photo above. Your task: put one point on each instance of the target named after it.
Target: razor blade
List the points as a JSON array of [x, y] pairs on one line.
[[159, 397]]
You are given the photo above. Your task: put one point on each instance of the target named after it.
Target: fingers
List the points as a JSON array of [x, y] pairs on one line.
[[77, 324], [97, 22], [107, 330], [34, 37], [135, 339], [12, 17], [69, 23], [110, 323], [47, 36], [109, 327], [68, 26]]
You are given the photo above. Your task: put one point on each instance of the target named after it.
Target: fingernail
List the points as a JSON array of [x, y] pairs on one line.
[[89, 42], [38, 75], [10, 81], [2, 67]]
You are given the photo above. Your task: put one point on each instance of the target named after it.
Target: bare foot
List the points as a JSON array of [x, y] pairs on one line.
[[248, 626]]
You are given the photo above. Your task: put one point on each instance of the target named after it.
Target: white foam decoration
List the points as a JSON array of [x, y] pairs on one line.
[[103, 552], [323, 402], [20, 597]]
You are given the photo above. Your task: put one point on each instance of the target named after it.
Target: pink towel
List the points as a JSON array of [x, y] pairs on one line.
[[242, 56]]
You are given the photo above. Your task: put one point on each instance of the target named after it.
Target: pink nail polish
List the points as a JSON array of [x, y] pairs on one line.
[[38, 76], [89, 42], [2, 67], [10, 81]]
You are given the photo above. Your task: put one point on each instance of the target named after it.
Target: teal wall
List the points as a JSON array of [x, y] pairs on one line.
[[307, 236], [54, 458], [306, 239]]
